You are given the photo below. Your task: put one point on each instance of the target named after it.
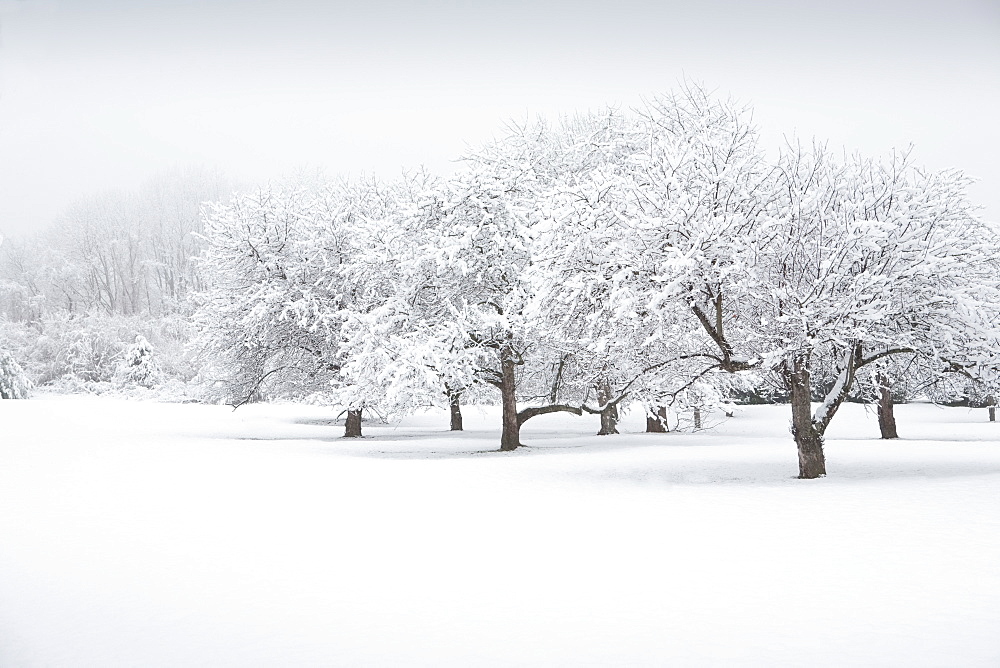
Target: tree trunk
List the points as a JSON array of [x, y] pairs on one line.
[[352, 425], [557, 381], [609, 415], [510, 436], [454, 404], [697, 417], [657, 422], [808, 440], [993, 413], [609, 421], [886, 416]]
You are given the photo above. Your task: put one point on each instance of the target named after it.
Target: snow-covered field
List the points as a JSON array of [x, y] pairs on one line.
[[143, 534]]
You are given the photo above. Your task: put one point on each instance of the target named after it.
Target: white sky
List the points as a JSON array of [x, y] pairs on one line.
[[103, 94]]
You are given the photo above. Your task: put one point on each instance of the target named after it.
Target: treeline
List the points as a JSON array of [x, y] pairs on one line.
[[115, 266], [120, 253]]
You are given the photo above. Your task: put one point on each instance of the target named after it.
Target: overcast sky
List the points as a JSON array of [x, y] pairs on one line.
[[104, 94]]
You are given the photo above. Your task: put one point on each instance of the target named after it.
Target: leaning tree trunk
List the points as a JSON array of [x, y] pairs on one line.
[[352, 426], [510, 436], [886, 416], [609, 414], [808, 440], [455, 406], [656, 423]]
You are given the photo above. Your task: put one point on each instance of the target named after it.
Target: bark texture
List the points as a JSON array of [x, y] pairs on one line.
[[808, 439], [510, 436], [657, 422], [455, 406], [886, 415], [352, 426], [609, 414]]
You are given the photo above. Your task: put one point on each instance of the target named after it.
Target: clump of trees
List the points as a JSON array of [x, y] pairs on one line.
[[117, 265], [657, 258]]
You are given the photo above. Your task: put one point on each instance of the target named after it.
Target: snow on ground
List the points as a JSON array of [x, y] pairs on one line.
[[144, 534]]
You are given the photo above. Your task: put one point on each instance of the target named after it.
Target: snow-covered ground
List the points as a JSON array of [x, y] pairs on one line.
[[144, 534]]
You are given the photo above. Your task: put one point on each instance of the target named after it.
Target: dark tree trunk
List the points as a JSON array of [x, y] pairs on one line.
[[455, 406], [352, 426], [886, 416], [609, 414], [993, 413], [609, 421], [557, 381], [510, 436], [697, 417], [657, 422], [808, 440]]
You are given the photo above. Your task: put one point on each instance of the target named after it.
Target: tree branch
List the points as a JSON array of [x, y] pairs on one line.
[[527, 413], [862, 361]]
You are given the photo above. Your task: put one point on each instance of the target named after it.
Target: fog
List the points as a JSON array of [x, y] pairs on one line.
[[99, 95]]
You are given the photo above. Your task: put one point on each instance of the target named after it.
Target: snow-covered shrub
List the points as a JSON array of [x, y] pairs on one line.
[[138, 365], [84, 353], [14, 382], [170, 336]]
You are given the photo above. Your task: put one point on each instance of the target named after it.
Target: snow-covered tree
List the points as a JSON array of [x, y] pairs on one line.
[[644, 230], [786, 267], [891, 380], [256, 265], [306, 287], [139, 366], [14, 383], [391, 355], [861, 260], [577, 167], [119, 252], [963, 388], [474, 285]]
